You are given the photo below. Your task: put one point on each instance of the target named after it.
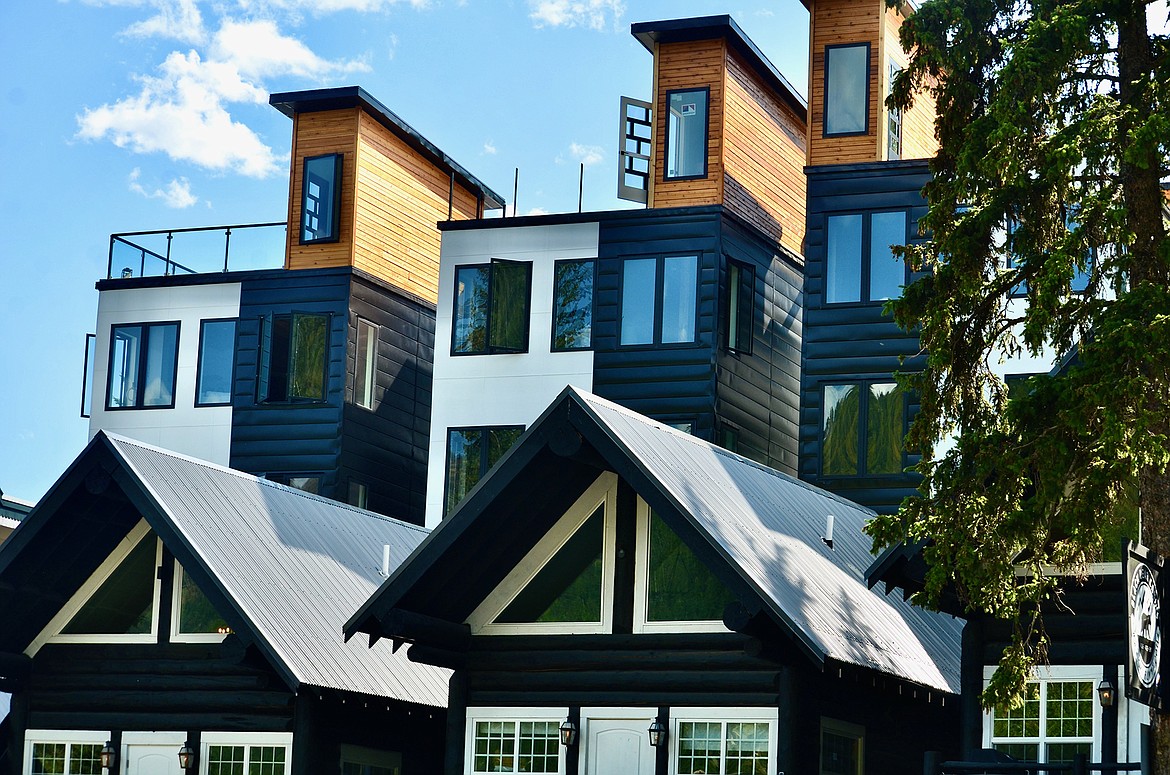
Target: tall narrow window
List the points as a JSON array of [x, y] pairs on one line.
[[843, 258], [863, 429], [143, 362], [679, 294], [686, 134], [637, 133], [217, 355], [887, 272], [893, 119], [471, 452], [741, 286], [365, 364], [659, 300], [194, 613], [492, 308], [293, 352], [842, 748], [846, 89], [321, 199], [572, 305], [638, 287]]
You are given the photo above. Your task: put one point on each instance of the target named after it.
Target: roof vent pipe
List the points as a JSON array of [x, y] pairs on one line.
[[828, 536], [385, 561]]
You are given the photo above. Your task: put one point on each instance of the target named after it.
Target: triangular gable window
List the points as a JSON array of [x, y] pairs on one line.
[[564, 584], [195, 617], [124, 603]]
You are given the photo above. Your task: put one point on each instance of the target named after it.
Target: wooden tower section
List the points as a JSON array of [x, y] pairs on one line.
[[379, 214], [749, 153], [854, 51]]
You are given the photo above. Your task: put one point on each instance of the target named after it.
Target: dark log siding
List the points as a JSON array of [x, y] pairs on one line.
[[386, 447], [846, 342], [296, 438]]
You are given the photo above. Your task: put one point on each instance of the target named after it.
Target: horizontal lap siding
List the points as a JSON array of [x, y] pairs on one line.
[[759, 393], [670, 381], [841, 22], [317, 134], [763, 157], [846, 342], [154, 686], [918, 140], [386, 447], [400, 197], [690, 65], [293, 437]]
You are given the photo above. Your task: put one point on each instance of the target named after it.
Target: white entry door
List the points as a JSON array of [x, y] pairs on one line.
[[618, 746], [147, 753]]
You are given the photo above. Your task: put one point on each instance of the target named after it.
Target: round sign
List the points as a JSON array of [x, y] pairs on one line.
[[1145, 639]]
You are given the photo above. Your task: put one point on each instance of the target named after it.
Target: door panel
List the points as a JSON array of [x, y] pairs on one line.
[[618, 747], [152, 760]]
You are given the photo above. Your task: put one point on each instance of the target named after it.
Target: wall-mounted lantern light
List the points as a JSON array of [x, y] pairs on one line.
[[1106, 692], [108, 755], [568, 733], [186, 757], [657, 732]]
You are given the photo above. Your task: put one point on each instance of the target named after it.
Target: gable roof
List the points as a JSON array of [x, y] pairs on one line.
[[289, 565], [765, 525]]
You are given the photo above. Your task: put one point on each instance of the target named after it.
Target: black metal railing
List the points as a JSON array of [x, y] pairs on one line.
[[152, 254], [1080, 765]]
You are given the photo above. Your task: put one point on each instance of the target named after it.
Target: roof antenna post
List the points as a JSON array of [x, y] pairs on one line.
[[828, 536], [385, 561]]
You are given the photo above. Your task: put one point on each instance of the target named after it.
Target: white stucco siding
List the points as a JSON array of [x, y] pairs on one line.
[[202, 432], [480, 390]]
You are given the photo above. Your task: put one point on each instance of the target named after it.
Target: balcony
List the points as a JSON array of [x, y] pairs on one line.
[[199, 250]]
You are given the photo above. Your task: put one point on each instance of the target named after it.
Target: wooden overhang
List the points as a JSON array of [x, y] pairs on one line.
[[344, 97], [722, 26]]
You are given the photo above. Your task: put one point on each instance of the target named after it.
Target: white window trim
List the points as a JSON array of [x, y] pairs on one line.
[[1091, 673], [510, 714], [67, 736], [844, 729], [642, 587], [52, 631], [246, 739], [603, 491], [771, 716], [176, 599]]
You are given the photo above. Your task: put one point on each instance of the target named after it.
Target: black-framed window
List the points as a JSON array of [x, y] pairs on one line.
[[686, 133], [144, 359], [659, 300], [471, 452], [306, 482], [893, 118], [863, 429], [217, 359], [573, 305], [321, 199], [359, 494], [860, 265], [492, 305], [293, 358], [846, 89], [365, 364], [741, 297]]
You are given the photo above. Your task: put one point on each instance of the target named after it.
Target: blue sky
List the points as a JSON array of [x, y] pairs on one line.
[[128, 115]]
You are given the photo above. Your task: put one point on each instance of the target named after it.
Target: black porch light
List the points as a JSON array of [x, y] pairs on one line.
[[1106, 692], [108, 755], [186, 757], [568, 733], [657, 732]]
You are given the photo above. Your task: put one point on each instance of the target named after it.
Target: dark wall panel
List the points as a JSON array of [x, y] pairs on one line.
[[293, 437], [847, 342]]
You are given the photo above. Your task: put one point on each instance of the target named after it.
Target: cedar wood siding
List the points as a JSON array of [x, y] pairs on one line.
[[386, 447], [759, 393], [841, 22], [316, 134], [290, 437], [400, 197], [918, 140], [763, 156], [690, 65], [845, 342]]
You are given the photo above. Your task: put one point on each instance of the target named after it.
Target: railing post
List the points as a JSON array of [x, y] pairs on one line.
[[930, 763], [110, 260], [167, 268], [142, 264], [227, 240]]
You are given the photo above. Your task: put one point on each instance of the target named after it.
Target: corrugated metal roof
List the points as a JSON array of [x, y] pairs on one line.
[[296, 565], [770, 525]]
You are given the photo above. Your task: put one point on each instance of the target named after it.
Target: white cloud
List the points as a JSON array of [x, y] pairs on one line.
[[177, 193], [177, 19], [594, 14], [258, 50], [489, 148], [320, 7], [586, 154]]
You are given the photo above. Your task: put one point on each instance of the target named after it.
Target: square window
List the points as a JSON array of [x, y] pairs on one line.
[[686, 134], [863, 429], [471, 452], [293, 356], [846, 89], [573, 305], [842, 748], [659, 300], [365, 364], [144, 359], [1055, 722], [492, 308], [321, 199], [860, 265], [217, 356], [713, 746]]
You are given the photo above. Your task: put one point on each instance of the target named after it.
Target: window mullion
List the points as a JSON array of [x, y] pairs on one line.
[[659, 291]]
